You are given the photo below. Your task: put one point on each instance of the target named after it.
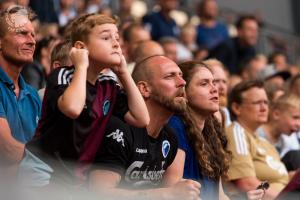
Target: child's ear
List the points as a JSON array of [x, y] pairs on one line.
[[56, 64], [79, 45], [144, 89], [276, 114]]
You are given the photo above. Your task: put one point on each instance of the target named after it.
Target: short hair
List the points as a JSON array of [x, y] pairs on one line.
[[168, 40], [213, 62], [6, 22], [240, 22], [127, 32], [82, 26], [141, 71], [286, 101], [235, 96], [61, 53]]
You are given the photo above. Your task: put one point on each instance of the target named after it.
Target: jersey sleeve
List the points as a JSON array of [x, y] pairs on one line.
[[57, 83], [173, 144], [242, 163], [121, 106], [116, 147], [179, 130]]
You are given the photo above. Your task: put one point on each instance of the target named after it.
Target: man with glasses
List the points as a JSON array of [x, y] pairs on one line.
[[19, 103], [253, 158]]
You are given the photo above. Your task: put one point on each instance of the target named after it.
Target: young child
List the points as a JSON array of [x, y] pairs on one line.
[[79, 101]]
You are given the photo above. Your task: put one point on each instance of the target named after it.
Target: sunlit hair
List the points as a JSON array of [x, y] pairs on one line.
[[82, 26], [213, 62], [61, 53], [8, 19], [209, 145], [286, 101]]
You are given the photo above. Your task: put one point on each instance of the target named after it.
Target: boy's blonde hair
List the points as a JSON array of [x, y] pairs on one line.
[[286, 101], [82, 26]]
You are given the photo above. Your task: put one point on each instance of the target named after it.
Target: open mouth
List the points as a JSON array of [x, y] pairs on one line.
[[214, 99]]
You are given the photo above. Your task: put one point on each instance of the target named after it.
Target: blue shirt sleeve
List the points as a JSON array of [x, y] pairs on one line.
[[179, 129], [2, 111]]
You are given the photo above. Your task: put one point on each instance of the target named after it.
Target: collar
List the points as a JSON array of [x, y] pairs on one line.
[[7, 81]]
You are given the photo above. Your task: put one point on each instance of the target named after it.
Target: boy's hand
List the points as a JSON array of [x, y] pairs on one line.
[[121, 68], [79, 57]]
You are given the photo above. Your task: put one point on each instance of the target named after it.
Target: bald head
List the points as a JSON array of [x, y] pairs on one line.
[[147, 49], [144, 70]]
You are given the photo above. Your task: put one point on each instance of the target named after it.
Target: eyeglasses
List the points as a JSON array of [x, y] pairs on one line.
[[257, 103]]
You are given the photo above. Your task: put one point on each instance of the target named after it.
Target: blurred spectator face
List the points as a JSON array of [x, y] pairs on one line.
[[170, 50], [233, 81], [125, 5], [248, 33], [66, 3], [202, 94], [221, 83], [188, 35], [254, 67], [168, 5], [280, 62], [210, 10], [278, 81], [295, 88], [23, 2], [287, 120], [137, 36], [254, 107]]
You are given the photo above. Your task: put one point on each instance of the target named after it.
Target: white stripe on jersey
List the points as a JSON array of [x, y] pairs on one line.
[[65, 76], [240, 139], [105, 77]]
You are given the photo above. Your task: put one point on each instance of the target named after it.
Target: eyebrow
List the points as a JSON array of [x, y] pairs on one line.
[[107, 31]]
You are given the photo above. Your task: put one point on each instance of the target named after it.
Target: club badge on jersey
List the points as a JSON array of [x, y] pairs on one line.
[[165, 148]]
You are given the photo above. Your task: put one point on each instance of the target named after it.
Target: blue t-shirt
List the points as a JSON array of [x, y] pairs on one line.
[[209, 188], [210, 37], [159, 26], [21, 113]]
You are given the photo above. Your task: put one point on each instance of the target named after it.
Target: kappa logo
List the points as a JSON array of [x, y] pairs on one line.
[[165, 148], [118, 136]]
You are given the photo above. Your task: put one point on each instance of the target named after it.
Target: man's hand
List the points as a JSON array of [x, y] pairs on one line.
[[186, 189]]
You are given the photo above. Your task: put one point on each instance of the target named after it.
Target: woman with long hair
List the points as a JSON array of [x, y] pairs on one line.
[[202, 153]]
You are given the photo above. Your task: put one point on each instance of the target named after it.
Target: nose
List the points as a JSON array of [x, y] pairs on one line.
[[31, 39], [214, 88], [180, 82], [115, 42]]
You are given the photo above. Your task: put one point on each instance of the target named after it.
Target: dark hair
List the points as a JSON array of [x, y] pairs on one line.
[[235, 95], [273, 55], [240, 22], [210, 146]]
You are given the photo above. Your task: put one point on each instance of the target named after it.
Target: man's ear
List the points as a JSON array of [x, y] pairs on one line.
[[79, 45], [144, 89], [236, 108]]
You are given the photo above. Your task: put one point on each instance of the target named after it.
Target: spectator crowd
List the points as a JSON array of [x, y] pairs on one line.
[[100, 102]]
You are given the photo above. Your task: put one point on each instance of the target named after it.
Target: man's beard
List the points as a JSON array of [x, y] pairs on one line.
[[170, 103], [223, 100]]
